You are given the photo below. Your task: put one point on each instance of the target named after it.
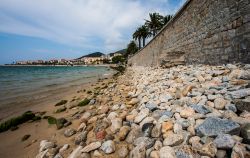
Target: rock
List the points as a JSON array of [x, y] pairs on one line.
[[155, 154], [165, 98], [115, 107], [156, 131], [245, 133], [243, 105], [108, 147], [158, 145], [166, 126], [173, 140], [123, 133], [116, 124], [138, 152], [122, 152], [145, 141], [134, 101], [45, 144], [134, 133], [187, 89], [231, 107], [167, 152], [151, 106], [100, 135], [221, 154], [159, 113], [187, 112], [214, 126], [224, 141], [76, 152], [147, 129], [91, 147], [97, 154], [69, 132], [142, 114], [60, 123], [245, 75], [81, 138], [208, 149], [240, 151], [92, 102], [64, 148], [92, 120], [177, 128], [85, 116], [200, 109], [219, 103], [81, 127], [58, 156], [240, 93]]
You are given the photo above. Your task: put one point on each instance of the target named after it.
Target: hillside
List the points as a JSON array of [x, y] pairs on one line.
[[95, 54]]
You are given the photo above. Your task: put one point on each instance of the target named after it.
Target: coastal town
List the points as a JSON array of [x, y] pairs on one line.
[[90, 59]]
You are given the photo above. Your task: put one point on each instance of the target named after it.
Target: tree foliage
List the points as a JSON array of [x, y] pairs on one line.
[[131, 48]]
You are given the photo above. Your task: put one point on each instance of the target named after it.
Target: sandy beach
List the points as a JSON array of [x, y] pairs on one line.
[[41, 129]]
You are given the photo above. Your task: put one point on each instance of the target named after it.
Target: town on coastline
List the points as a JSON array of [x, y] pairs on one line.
[[96, 58]]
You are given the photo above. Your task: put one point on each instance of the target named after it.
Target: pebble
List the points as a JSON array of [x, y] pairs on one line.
[[91, 147], [167, 152], [108, 147], [69, 132], [224, 141], [173, 140]]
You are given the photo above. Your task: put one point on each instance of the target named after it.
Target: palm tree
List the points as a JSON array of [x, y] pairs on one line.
[[145, 33], [154, 23], [166, 19], [137, 36]]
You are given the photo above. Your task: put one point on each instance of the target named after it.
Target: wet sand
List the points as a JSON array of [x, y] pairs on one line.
[[11, 145]]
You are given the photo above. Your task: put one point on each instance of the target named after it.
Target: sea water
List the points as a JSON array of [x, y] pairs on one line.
[[21, 84]]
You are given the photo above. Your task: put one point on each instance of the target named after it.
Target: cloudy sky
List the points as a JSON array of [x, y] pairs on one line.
[[46, 29]]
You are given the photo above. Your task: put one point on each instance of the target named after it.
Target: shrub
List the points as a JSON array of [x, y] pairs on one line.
[[61, 102], [84, 102]]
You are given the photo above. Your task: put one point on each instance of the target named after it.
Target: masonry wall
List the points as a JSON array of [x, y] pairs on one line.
[[203, 31]]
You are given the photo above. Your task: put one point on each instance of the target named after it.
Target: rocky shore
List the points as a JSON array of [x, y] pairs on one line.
[[180, 112]]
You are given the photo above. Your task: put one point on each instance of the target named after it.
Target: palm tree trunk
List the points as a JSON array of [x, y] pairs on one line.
[[143, 42], [139, 39]]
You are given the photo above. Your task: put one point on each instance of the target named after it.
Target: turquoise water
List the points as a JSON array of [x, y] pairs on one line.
[[20, 84]]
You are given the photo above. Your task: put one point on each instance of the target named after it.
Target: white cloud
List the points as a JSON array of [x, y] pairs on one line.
[[76, 22]]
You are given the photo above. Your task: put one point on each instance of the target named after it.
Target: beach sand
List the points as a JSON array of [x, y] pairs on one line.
[[11, 145]]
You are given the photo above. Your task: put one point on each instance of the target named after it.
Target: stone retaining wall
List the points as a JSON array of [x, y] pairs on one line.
[[202, 31]]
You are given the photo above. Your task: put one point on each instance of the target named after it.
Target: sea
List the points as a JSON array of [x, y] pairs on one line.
[[20, 85]]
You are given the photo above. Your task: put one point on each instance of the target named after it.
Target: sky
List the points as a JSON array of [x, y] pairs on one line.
[[49, 29]]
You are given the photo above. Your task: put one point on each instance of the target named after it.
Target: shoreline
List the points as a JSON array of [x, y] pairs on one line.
[[41, 129], [101, 65]]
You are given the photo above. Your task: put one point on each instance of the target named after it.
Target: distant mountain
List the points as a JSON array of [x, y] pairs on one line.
[[95, 54], [122, 51]]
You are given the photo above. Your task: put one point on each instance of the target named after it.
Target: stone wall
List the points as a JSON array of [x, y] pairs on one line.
[[202, 31]]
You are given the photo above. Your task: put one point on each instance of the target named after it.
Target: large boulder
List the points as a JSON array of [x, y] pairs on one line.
[[214, 126]]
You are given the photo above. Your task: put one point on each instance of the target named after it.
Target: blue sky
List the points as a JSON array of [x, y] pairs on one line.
[[47, 29]]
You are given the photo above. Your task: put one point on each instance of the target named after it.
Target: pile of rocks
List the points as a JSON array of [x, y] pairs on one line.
[[180, 112]]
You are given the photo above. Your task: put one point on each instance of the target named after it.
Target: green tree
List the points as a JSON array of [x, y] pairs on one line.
[[131, 48], [145, 33], [137, 36], [166, 19], [118, 59], [154, 24]]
